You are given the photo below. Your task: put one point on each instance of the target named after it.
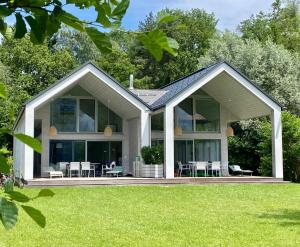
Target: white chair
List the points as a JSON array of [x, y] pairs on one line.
[[74, 166], [215, 166], [109, 167], [182, 167], [200, 166], [62, 166], [52, 172], [86, 166]]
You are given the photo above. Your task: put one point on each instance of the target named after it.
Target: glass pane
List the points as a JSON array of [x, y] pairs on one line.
[[79, 151], [115, 122], [184, 115], [157, 122], [98, 152], [157, 142], [207, 150], [207, 115], [183, 151], [60, 151], [116, 152], [87, 115], [63, 115]]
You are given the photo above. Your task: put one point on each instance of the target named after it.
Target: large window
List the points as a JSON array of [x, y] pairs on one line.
[[87, 115], [66, 118], [63, 115], [67, 151], [207, 115], [157, 122], [108, 118], [184, 115], [199, 113], [207, 150]]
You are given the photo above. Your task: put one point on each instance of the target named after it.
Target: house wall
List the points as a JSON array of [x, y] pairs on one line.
[[44, 114], [19, 150], [133, 130]]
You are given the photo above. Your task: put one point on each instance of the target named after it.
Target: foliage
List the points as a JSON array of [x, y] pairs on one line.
[[282, 25], [153, 155], [191, 29], [11, 200], [272, 67], [44, 18], [291, 147]]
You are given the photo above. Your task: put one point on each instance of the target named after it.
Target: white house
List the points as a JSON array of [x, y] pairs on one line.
[[189, 117]]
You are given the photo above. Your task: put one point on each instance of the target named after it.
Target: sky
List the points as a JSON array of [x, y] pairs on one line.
[[229, 12]]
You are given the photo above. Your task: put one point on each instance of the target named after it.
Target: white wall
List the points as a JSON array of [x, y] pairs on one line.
[[19, 150], [133, 130]]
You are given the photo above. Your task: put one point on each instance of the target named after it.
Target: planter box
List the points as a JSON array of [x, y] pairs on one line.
[[152, 171]]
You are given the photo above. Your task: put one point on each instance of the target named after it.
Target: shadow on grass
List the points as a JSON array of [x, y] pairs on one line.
[[287, 217]]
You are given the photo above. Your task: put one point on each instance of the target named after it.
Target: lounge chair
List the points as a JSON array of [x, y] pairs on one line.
[[51, 172], [237, 170], [116, 171]]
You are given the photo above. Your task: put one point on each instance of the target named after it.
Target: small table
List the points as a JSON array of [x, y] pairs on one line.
[[247, 172]]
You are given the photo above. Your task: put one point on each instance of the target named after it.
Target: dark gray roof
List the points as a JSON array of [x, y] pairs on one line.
[[181, 84]]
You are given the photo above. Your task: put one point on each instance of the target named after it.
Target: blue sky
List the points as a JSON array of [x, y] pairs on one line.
[[229, 12]]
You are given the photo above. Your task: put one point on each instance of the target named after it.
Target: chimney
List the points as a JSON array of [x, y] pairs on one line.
[[131, 82]]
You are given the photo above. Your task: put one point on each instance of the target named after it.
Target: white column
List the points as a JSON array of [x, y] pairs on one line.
[[277, 159], [28, 156], [145, 129], [169, 141]]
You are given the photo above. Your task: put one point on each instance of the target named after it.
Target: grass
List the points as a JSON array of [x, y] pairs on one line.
[[214, 215]]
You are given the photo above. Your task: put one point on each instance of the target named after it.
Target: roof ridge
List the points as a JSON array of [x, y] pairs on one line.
[[186, 76]]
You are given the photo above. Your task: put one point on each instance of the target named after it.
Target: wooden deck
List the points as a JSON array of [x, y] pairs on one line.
[[75, 181]]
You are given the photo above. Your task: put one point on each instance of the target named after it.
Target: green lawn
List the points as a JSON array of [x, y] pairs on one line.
[[214, 215]]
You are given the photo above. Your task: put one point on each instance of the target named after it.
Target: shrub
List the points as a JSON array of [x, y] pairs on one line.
[[153, 155], [291, 147]]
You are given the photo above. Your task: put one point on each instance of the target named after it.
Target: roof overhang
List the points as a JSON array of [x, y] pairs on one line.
[[98, 84], [232, 90]]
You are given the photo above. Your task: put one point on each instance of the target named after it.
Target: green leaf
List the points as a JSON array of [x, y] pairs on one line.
[[4, 167], [2, 91], [121, 9], [101, 40], [156, 42], [30, 141], [3, 27], [5, 11], [71, 21], [20, 26], [8, 185], [36, 34], [18, 196], [102, 18], [36, 215], [46, 193], [166, 18], [8, 213]]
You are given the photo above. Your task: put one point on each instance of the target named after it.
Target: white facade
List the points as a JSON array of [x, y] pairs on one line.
[[239, 99]]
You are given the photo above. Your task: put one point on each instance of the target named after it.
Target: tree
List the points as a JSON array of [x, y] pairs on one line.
[[291, 147], [273, 68], [45, 17], [282, 25]]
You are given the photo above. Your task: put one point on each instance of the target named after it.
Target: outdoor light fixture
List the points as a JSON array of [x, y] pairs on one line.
[[108, 129], [229, 131], [178, 130], [52, 130]]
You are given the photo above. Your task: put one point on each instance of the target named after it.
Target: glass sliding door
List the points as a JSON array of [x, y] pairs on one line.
[[87, 115], [104, 152], [207, 150], [183, 151], [66, 151]]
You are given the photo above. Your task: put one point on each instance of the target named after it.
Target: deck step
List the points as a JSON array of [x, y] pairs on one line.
[[42, 182]]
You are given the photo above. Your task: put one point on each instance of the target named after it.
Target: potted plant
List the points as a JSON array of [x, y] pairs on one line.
[[153, 158]]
